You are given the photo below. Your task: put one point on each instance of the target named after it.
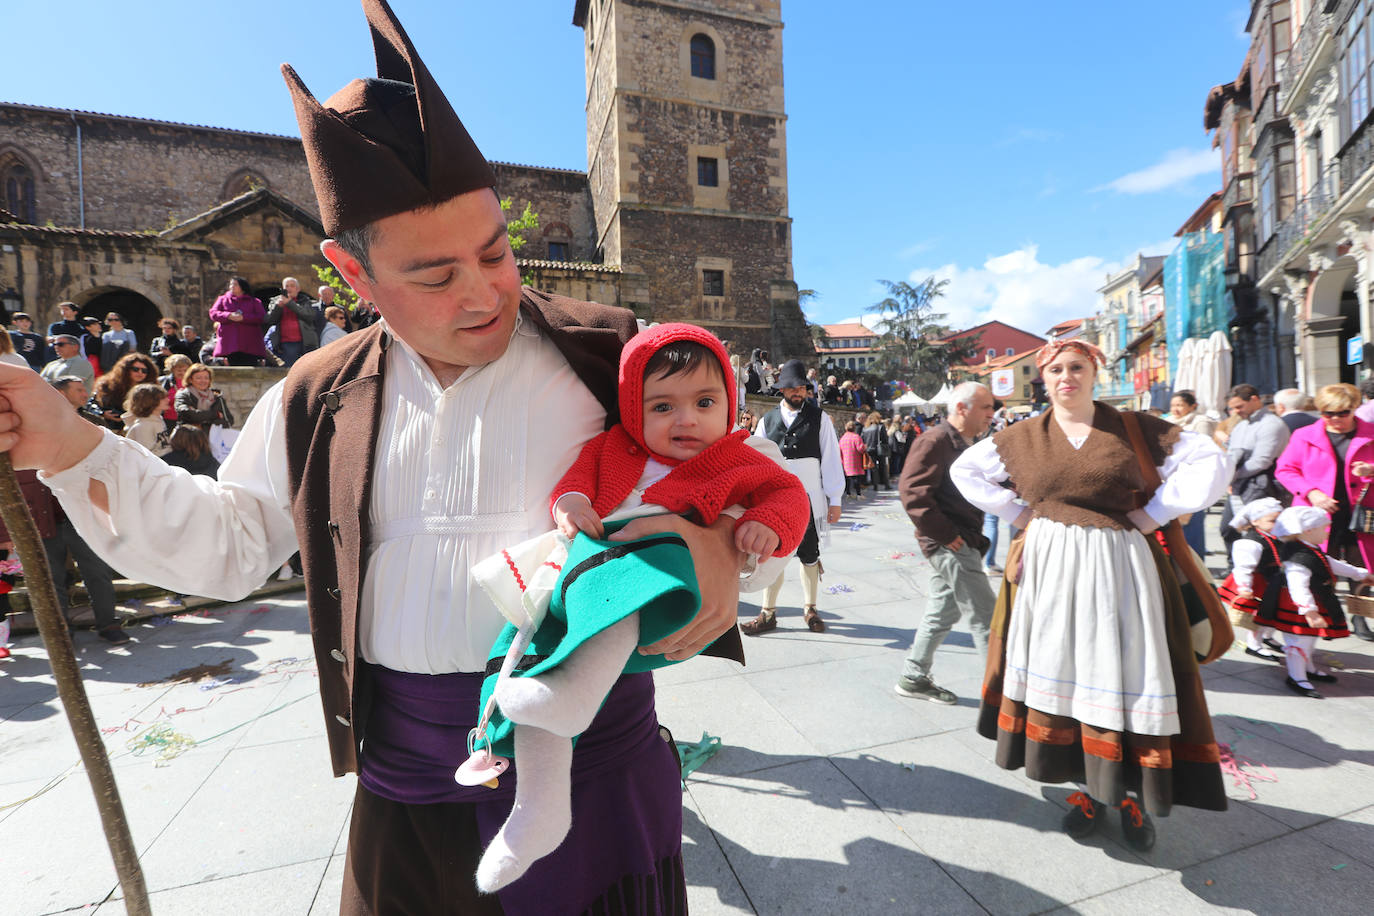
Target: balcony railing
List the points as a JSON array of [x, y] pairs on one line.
[[1316, 25], [1308, 211], [1357, 156]]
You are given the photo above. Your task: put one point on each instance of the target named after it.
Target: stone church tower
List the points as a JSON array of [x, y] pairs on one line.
[[687, 164]]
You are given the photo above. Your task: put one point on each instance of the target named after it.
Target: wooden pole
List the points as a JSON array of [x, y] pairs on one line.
[[58, 641]]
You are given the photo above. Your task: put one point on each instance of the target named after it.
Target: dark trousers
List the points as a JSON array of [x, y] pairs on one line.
[[290, 351], [97, 575], [412, 859]]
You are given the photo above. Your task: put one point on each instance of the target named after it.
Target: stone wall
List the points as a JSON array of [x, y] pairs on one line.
[[243, 387], [563, 202], [140, 174]]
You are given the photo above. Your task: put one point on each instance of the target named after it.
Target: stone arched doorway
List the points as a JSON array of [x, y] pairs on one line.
[[140, 314], [1333, 318]]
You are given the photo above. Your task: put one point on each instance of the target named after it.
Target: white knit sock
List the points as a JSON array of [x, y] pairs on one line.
[[1253, 641], [565, 700], [810, 583], [1297, 659], [770, 597], [542, 813]]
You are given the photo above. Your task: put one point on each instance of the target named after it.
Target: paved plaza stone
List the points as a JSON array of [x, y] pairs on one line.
[[830, 792]]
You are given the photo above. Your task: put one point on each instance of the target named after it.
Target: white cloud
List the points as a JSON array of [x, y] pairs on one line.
[[1019, 289], [1177, 167]]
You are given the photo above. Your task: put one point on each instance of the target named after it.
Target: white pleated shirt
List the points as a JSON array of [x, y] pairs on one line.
[[459, 473]]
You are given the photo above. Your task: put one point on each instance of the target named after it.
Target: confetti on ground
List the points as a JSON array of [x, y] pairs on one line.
[[694, 754], [1243, 771], [837, 589], [909, 766], [858, 526], [162, 739], [1338, 867], [160, 621], [899, 555], [892, 515]]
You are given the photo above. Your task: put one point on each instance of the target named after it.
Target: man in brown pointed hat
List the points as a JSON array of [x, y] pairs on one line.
[[393, 460]]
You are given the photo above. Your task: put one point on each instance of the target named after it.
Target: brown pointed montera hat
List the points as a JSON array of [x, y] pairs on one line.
[[383, 146]]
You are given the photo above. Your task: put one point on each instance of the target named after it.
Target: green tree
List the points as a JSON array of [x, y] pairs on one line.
[[515, 232], [909, 345]]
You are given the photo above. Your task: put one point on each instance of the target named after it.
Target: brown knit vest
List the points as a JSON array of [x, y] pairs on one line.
[[1094, 486]]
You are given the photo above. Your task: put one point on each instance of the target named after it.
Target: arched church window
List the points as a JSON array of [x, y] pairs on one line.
[[19, 192], [703, 57]]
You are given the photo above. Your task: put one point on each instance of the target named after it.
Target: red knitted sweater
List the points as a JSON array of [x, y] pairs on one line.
[[723, 474]]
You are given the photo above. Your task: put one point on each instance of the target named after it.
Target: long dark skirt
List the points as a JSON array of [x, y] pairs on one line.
[[623, 854], [1163, 770]]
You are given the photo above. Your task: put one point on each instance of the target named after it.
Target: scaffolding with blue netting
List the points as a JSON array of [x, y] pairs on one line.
[[1195, 299]]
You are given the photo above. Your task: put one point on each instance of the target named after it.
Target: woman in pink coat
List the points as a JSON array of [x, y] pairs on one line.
[[852, 457], [240, 317], [1330, 465]]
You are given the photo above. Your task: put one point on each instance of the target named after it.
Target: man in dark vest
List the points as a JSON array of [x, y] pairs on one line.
[[393, 461], [807, 439]]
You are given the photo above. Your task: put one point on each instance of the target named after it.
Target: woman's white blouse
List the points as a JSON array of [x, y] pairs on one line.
[[460, 472], [1195, 475]]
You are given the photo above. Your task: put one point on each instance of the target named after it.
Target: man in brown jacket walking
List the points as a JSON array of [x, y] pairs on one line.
[[950, 532]]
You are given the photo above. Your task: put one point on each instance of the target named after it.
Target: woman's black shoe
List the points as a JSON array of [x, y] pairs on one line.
[[1084, 818], [1305, 691], [1272, 643], [1137, 826], [1266, 653], [1321, 678]]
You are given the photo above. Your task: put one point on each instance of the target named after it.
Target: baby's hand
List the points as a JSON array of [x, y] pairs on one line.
[[755, 538], [1314, 618], [573, 513]]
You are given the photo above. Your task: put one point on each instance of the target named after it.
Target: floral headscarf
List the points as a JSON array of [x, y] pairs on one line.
[[1052, 349]]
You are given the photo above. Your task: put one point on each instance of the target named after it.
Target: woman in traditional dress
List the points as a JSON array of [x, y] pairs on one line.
[[1091, 675]]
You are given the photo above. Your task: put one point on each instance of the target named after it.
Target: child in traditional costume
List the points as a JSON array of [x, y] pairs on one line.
[[672, 452], [1254, 564], [1303, 603]]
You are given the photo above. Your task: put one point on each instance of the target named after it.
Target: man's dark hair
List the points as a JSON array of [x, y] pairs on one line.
[[682, 356], [1244, 392], [1367, 389], [1189, 398], [62, 382]]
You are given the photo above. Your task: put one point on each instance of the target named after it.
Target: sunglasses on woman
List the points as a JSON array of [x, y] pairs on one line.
[[1332, 414]]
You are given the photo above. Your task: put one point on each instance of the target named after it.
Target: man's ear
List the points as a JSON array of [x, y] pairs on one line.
[[349, 268]]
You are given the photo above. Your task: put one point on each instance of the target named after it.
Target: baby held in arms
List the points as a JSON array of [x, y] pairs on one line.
[[581, 605]]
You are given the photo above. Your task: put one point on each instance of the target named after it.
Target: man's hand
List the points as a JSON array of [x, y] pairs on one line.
[[756, 538], [832, 515], [1142, 521], [37, 426], [1322, 501], [573, 513], [957, 544], [717, 564]]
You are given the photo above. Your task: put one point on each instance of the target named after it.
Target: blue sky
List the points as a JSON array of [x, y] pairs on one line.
[[1021, 150]]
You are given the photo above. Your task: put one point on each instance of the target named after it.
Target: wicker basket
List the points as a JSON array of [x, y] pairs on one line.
[[1363, 605]]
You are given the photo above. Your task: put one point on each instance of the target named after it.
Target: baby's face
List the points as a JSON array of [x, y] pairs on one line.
[[1266, 523], [685, 413]]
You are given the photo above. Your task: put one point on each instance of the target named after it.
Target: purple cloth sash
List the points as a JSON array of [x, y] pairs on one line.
[[627, 797]]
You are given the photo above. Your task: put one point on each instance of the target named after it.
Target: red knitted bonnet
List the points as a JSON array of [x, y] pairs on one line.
[[636, 356]]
